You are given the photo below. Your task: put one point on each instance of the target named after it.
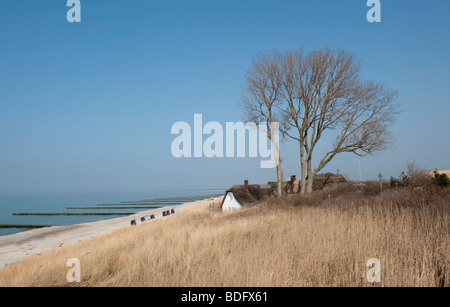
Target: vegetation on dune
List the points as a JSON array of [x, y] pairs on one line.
[[324, 238]]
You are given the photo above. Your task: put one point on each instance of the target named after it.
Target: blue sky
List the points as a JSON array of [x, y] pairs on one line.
[[88, 107]]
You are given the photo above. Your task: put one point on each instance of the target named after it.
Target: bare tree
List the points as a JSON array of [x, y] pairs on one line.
[[321, 93], [324, 94], [417, 176], [260, 97]]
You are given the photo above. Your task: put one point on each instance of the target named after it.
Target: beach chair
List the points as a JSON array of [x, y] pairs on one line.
[[152, 217], [143, 219], [133, 223], [172, 211]]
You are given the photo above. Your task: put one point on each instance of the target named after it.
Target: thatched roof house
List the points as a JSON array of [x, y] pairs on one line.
[[325, 180], [242, 195], [320, 181]]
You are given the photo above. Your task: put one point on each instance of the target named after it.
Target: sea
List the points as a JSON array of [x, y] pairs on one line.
[[86, 203]]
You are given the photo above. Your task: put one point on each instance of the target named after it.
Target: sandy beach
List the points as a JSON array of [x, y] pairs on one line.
[[17, 247]]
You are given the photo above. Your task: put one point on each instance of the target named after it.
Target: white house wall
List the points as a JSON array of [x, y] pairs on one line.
[[230, 203]]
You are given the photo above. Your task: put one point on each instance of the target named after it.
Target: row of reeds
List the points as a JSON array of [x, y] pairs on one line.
[[322, 239]]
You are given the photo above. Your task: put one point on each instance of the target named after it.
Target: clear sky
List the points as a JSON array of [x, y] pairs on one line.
[[88, 107]]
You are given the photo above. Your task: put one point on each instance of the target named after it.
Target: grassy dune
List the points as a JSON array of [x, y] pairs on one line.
[[323, 239]]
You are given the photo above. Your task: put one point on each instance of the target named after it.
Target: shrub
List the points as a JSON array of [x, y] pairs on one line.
[[418, 177], [441, 180], [404, 180], [414, 177], [394, 182]]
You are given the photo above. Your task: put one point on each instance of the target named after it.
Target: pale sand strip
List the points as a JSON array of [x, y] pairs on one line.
[[16, 247]]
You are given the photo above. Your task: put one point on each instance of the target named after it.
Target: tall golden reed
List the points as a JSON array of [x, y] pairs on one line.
[[322, 239]]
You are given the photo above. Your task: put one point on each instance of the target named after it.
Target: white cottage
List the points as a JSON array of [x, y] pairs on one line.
[[230, 202], [239, 196]]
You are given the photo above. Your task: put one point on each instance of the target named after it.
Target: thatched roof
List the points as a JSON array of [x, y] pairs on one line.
[[324, 180], [257, 192], [320, 181]]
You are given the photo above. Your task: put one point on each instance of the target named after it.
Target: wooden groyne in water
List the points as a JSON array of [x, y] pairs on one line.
[[106, 208], [84, 213], [23, 226]]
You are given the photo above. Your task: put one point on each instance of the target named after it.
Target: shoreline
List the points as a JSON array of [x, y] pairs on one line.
[[19, 246]]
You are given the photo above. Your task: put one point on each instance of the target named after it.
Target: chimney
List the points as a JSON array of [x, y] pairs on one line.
[[246, 185]]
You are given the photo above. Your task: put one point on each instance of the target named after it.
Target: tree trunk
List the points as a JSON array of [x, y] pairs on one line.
[[274, 139], [309, 187], [310, 181], [279, 178], [303, 171]]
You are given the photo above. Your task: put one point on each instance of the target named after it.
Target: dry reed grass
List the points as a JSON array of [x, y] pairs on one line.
[[322, 239]]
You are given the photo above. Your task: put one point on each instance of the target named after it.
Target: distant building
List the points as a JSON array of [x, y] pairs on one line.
[[431, 173]]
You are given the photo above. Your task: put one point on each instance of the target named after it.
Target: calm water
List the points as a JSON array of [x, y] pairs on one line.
[[57, 203]]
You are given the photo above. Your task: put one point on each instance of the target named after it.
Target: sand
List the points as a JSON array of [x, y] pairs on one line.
[[16, 247]]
